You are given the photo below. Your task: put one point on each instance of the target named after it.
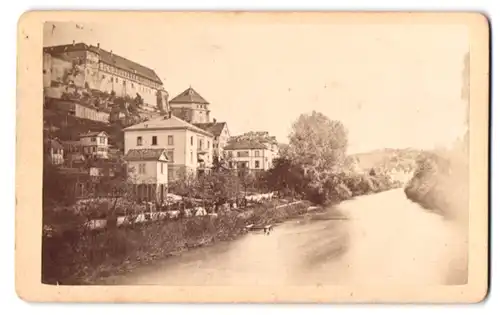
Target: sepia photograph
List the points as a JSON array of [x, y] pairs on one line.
[[253, 150]]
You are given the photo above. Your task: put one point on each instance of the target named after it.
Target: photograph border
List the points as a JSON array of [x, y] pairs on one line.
[[29, 169]]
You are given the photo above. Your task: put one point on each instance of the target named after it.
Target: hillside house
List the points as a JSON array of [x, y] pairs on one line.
[[95, 144], [54, 150]]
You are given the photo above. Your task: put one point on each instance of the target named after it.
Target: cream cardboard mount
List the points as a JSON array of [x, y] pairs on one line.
[[365, 126]]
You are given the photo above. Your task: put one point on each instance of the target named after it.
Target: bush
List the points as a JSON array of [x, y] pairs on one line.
[[440, 184]]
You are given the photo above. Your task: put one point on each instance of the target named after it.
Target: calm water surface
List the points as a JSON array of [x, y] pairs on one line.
[[372, 239]]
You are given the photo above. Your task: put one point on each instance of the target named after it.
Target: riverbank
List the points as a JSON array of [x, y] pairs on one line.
[[351, 243], [85, 256]]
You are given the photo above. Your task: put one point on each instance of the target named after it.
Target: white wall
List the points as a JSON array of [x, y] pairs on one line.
[[179, 144], [89, 113], [162, 178], [263, 154], [182, 144], [199, 115], [222, 140], [123, 83], [149, 177]]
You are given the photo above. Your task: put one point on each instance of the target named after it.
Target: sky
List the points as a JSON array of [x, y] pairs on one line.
[[392, 86]]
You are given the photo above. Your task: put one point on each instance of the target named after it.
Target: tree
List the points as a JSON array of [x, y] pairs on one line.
[[318, 145], [286, 177]]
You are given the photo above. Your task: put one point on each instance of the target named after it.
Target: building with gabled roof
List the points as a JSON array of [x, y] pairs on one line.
[[191, 107], [188, 147], [93, 68], [221, 134], [148, 172], [248, 155], [95, 143], [255, 150]]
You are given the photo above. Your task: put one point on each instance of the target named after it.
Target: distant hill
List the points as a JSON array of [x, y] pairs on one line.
[[387, 159]]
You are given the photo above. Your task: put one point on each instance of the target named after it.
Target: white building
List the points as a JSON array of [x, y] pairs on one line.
[[250, 155], [95, 144], [54, 151], [188, 148], [148, 171], [221, 134]]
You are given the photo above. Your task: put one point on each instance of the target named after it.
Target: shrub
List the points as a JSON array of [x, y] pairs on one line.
[[440, 184]]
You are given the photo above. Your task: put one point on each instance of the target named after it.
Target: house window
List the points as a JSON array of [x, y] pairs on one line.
[[257, 153], [139, 141], [154, 140], [257, 164], [170, 156], [200, 144], [191, 140], [170, 140], [116, 80], [142, 168], [102, 140], [230, 164], [243, 154], [191, 157], [161, 167], [132, 84], [208, 144], [93, 139]]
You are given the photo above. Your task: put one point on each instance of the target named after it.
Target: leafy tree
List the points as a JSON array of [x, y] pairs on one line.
[[286, 177], [318, 144]]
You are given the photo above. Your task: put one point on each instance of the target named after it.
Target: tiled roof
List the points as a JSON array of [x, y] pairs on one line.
[[109, 58], [92, 134], [166, 123], [144, 154], [244, 144], [189, 96], [214, 128]]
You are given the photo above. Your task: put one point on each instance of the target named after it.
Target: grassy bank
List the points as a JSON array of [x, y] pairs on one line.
[[81, 256]]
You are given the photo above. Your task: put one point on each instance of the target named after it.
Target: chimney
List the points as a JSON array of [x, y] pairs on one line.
[[98, 45], [73, 42], [215, 121]]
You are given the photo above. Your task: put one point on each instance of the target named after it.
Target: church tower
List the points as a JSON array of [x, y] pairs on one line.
[[191, 107]]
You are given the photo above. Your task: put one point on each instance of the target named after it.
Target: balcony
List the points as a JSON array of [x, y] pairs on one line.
[[202, 150]]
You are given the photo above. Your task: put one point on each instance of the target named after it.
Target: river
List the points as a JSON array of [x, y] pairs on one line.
[[371, 239]]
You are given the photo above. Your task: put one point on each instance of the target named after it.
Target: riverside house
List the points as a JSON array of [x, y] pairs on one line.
[[148, 172], [189, 149], [249, 154]]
